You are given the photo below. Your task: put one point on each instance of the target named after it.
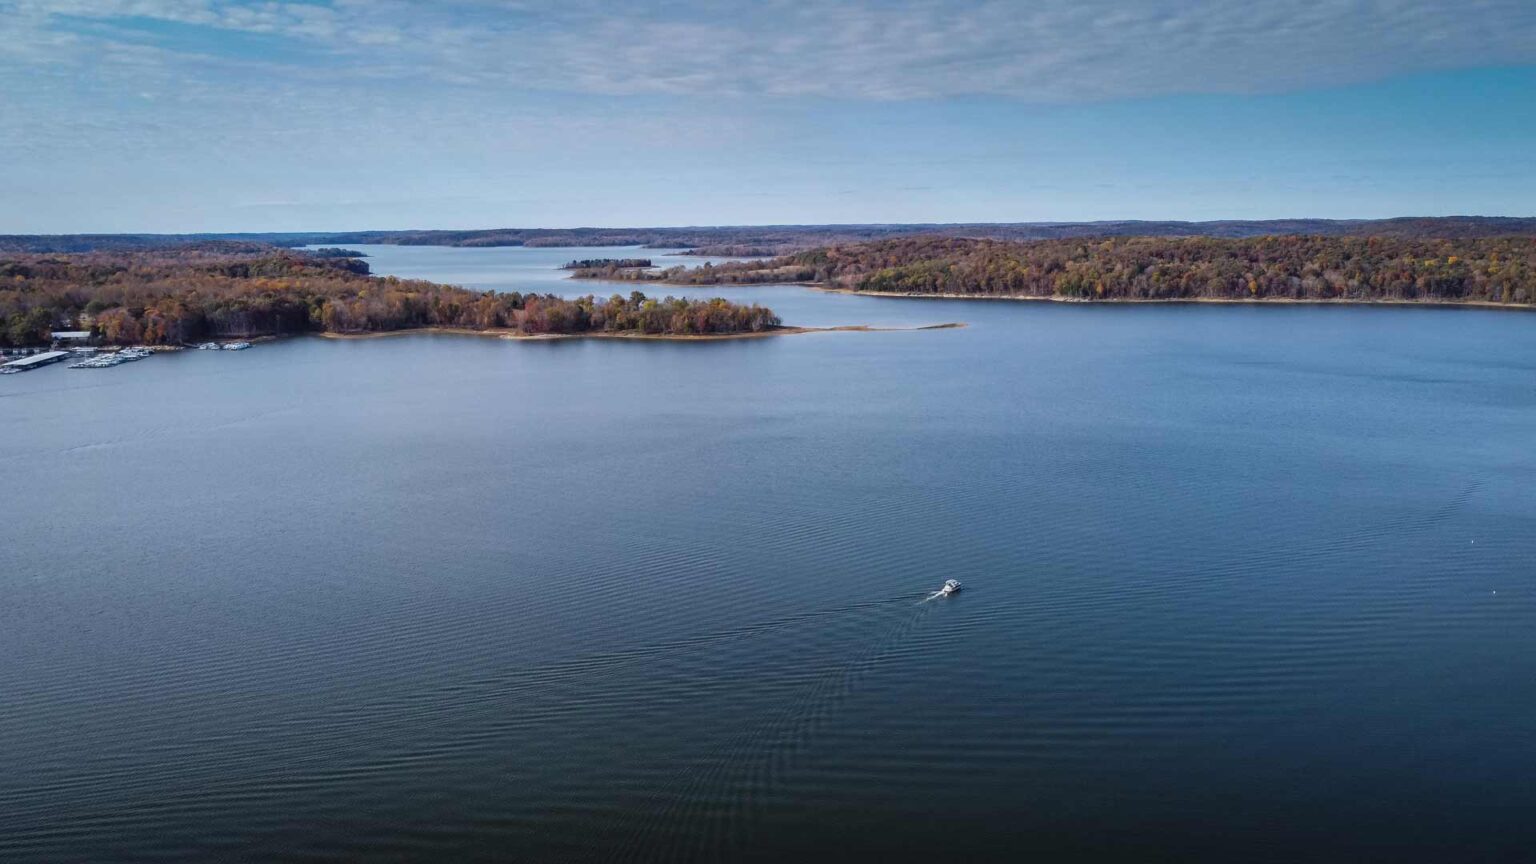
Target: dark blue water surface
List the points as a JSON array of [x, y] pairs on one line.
[[1241, 584]]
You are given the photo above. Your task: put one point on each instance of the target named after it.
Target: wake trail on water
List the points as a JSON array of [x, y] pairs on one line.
[[742, 771]]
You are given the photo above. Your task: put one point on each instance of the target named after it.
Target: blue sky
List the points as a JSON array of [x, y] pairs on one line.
[[207, 115]]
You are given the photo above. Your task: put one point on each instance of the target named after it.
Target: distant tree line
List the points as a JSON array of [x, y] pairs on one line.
[[1287, 267], [725, 241], [606, 263], [176, 296], [782, 239], [728, 273], [1495, 270], [744, 250]]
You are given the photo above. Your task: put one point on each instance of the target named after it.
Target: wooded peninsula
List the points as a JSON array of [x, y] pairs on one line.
[[1498, 270], [215, 290]]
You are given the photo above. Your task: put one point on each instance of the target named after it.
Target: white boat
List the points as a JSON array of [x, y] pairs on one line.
[[951, 586], [208, 346], [236, 346]]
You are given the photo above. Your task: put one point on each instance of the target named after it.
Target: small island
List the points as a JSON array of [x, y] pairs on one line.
[[606, 264]]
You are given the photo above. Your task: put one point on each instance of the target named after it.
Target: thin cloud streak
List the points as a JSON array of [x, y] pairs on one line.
[[1049, 50], [195, 114]]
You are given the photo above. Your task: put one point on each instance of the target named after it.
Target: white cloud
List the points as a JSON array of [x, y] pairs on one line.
[[135, 113], [1046, 50]]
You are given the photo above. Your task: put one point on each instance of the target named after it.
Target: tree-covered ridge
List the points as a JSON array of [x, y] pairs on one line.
[[1494, 270], [727, 273], [605, 263], [1294, 268], [175, 296], [744, 240]]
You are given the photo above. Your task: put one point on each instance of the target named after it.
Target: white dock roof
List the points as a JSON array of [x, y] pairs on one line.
[[37, 359]]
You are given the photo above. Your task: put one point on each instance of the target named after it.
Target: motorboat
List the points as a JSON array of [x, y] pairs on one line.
[[951, 586]]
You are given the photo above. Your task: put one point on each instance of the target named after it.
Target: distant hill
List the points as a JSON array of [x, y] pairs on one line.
[[67, 243], [741, 240]]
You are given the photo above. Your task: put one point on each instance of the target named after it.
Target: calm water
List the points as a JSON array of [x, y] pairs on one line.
[[1241, 584]]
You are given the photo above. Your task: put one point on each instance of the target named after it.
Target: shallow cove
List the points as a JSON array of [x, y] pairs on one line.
[[1240, 583]]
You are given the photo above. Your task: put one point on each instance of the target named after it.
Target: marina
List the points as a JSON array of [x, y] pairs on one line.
[[92, 357], [113, 358]]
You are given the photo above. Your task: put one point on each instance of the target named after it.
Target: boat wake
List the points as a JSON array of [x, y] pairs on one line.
[[951, 586], [728, 787]]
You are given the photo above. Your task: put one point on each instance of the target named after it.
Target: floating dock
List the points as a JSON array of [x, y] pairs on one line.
[[35, 361]]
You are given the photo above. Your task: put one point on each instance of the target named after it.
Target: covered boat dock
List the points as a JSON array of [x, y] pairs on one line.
[[35, 361]]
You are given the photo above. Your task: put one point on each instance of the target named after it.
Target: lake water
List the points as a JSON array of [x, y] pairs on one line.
[[1241, 584]]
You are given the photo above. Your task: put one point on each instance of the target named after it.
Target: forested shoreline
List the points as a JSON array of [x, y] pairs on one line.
[[755, 240], [187, 294], [241, 289], [1298, 268], [610, 264]]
